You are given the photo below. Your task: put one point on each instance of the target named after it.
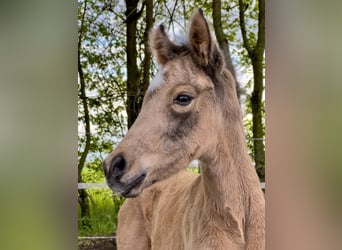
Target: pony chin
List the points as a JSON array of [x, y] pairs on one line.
[[132, 193]]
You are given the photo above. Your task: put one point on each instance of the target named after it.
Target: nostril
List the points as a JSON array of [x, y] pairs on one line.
[[118, 165]]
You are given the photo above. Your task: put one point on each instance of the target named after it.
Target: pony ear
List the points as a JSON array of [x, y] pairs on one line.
[[161, 46], [200, 38]]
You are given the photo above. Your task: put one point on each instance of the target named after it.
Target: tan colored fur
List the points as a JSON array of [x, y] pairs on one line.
[[224, 207]]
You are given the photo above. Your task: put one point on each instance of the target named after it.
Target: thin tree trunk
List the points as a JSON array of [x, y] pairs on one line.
[[258, 132], [256, 55], [256, 99], [132, 16], [83, 197], [223, 41]]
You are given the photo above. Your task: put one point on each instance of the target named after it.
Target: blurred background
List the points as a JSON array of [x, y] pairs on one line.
[[43, 129]]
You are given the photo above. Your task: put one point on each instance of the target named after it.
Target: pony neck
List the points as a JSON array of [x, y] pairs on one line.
[[228, 176], [225, 175], [225, 180]]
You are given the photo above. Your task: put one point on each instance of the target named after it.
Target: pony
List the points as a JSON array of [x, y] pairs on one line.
[[190, 111]]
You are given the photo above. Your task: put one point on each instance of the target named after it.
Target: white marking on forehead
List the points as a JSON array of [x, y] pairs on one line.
[[157, 81]]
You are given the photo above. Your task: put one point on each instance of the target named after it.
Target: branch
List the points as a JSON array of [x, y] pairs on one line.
[[109, 7], [243, 28], [172, 14], [231, 7], [82, 26]]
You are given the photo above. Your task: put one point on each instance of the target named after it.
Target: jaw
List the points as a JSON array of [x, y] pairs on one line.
[[132, 193], [135, 191], [129, 189]]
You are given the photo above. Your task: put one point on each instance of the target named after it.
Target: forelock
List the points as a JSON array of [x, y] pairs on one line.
[[157, 80]]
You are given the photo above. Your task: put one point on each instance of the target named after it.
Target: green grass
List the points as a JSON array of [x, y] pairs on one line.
[[104, 208], [193, 170]]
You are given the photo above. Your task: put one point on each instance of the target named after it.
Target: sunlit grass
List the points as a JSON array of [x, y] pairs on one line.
[[104, 208], [193, 170]]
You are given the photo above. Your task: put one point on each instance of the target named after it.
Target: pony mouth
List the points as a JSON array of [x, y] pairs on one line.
[[127, 193]]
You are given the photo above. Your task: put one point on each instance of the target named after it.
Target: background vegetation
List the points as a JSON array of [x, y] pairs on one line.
[[115, 67]]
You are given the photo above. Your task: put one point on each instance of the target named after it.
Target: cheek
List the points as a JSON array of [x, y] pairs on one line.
[[207, 128], [181, 126]]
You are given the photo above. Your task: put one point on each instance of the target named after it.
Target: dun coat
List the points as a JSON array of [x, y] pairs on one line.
[[190, 111]]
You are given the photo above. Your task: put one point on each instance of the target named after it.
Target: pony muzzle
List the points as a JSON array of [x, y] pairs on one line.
[[119, 180]]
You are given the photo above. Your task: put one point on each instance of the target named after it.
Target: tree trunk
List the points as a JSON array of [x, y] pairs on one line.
[[131, 55], [256, 55], [223, 41], [83, 197], [258, 131], [256, 99]]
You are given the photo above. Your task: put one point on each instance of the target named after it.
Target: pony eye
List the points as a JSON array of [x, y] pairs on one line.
[[183, 100]]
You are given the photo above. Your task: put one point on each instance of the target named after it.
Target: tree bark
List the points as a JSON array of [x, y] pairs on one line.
[[221, 38], [132, 105], [223, 41], [258, 131], [256, 55], [83, 197]]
